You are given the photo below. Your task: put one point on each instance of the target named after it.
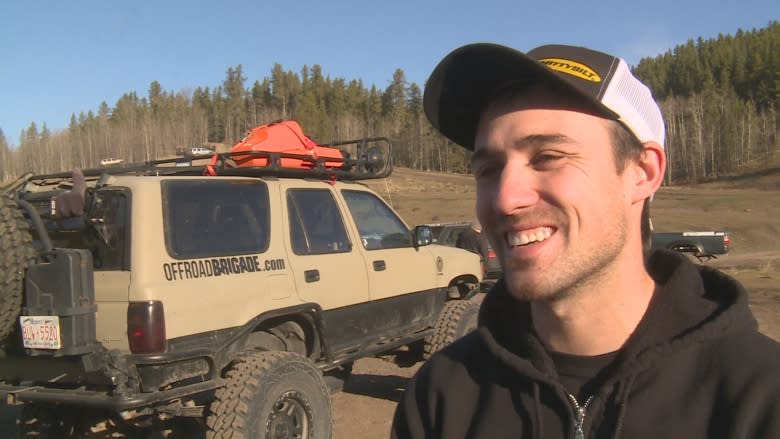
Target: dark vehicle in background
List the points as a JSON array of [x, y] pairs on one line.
[[448, 234], [701, 245]]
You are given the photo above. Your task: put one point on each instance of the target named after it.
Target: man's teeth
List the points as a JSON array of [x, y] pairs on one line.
[[530, 236]]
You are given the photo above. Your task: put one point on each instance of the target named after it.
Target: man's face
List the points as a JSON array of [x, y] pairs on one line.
[[549, 197]]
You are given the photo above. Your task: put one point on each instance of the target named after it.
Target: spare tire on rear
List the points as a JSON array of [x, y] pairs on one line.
[[16, 254]]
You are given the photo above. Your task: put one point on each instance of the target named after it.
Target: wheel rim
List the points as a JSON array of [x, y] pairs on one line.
[[289, 418]]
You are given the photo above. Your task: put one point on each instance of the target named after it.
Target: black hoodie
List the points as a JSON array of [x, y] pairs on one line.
[[695, 367]]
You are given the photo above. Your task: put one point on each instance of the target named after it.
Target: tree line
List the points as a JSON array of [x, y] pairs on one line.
[[719, 97]]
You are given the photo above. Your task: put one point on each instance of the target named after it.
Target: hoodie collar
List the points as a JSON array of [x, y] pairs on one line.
[[692, 303]]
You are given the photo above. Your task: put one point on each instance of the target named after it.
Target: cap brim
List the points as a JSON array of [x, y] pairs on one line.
[[458, 88]]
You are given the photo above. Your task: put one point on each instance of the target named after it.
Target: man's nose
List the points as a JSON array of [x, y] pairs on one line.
[[516, 189]]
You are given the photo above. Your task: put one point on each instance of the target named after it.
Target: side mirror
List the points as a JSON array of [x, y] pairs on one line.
[[422, 236]]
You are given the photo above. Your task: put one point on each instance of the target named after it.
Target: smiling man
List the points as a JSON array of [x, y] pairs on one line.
[[588, 334]]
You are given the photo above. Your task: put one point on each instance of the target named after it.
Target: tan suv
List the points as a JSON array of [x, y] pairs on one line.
[[223, 299]]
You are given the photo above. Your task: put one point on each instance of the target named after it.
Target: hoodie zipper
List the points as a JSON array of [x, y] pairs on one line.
[[579, 415]]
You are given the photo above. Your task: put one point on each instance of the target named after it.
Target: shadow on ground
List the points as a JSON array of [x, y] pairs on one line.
[[389, 387], [8, 415]]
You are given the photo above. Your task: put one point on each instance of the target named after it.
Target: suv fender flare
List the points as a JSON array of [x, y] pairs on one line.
[[463, 287], [307, 316]]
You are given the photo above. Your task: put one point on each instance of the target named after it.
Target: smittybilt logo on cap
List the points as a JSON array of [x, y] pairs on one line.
[[571, 68]]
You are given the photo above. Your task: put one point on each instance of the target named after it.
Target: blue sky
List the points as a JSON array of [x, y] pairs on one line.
[[64, 57]]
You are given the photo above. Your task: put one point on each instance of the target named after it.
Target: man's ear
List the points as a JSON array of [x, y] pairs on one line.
[[649, 171]]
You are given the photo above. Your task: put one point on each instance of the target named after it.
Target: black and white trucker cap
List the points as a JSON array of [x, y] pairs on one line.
[[461, 84]]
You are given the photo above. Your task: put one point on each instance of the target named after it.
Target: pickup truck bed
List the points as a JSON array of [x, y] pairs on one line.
[[703, 245]]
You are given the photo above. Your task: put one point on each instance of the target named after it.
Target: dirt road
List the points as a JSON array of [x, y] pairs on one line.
[[365, 408]]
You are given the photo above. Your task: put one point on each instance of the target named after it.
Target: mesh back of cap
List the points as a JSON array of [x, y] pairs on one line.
[[634, 103]]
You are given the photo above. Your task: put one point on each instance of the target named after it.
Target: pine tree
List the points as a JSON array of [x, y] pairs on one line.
[[235, 122], [6, 171]]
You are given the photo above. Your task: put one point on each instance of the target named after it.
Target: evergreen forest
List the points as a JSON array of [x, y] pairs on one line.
[[720, 98]]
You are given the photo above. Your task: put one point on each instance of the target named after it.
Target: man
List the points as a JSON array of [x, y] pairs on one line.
[[587, 335], [472, 240]]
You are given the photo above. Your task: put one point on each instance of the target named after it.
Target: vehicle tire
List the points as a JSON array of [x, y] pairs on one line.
[[272, 395], [696, 257], [457, 318], [42, 422], [16, 254]]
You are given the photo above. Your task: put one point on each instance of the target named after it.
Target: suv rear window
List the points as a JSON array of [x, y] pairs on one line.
[[206, 218]]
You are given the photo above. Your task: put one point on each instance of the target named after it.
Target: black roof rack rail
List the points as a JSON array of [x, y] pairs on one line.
[[369, 158]]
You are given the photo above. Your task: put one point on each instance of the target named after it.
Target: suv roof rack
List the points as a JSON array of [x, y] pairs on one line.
[[363, 159]]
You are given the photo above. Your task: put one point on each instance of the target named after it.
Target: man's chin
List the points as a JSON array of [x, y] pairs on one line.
[[525, 289]]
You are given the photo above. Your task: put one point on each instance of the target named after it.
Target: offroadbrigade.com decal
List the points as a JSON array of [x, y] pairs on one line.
[[571, 68], [199, 268]]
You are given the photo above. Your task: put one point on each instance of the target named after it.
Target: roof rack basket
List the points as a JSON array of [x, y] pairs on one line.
[[362, 159]]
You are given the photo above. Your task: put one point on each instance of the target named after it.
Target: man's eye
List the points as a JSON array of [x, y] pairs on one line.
[[546, 159]]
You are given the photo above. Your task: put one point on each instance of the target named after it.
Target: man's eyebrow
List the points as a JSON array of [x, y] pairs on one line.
[[527, 142], [537, 140]]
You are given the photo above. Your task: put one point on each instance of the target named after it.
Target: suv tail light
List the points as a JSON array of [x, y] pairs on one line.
[[146, 327], [726, 241]]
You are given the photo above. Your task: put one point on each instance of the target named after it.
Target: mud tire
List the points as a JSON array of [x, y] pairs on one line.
[[457, 318], [271, 395], [16, 255]]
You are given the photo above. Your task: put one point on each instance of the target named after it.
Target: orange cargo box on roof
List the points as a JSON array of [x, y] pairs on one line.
[[284, 137]]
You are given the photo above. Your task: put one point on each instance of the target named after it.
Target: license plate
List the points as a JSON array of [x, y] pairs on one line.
[[40, 332]]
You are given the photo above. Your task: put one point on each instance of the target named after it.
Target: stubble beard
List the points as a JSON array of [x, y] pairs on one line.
[[571, 272]]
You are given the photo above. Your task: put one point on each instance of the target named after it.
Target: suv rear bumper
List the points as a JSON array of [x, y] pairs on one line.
[[109, 380], [18, 394]]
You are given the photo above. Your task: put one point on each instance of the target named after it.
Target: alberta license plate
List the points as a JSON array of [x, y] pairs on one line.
[[40, 332]]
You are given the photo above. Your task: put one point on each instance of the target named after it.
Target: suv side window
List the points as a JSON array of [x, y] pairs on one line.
[[379, 227], [215, 218], [316, 226]]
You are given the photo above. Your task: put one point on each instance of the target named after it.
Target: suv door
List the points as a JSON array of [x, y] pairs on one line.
[[327, 268], [401, 278]]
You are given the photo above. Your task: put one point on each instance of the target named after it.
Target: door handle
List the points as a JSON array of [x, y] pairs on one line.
[[311, 275], [379, 266]]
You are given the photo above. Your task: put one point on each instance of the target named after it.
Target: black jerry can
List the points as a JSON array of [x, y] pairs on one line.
[[63, 286]]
